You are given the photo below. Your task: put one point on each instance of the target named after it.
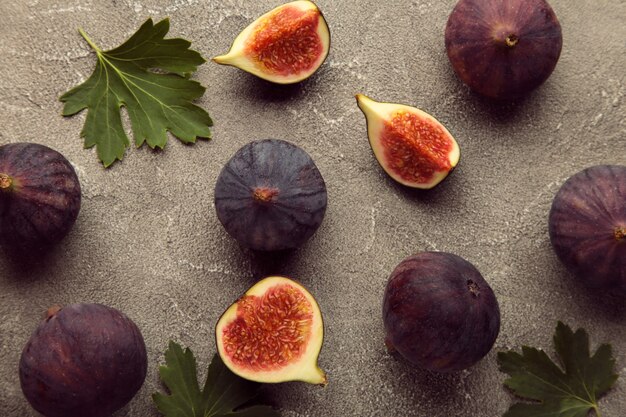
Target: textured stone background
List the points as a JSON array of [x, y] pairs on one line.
[[148, 242]]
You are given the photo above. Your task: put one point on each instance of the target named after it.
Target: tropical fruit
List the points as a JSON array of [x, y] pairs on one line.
[[270, 196], [39, 196], [503, 49], [83, 360], [409, 144], [587, 226], [439, 313], [286, 45], [273, 333]]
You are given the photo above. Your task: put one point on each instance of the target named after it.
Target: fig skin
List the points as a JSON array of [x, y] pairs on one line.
[[83, 360], [286, 45], [40, 197], [439, 312], [503, 49], [587, 227], [270, 196]]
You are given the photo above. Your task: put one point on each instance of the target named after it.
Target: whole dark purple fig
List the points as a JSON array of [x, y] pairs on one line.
[[39, 196], [270, 196], [587, 226], [83, 360], [439, 312], [503, 49]]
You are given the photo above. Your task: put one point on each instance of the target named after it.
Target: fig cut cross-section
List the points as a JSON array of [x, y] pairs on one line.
[[285, 45], [273, 334], [413, 147]]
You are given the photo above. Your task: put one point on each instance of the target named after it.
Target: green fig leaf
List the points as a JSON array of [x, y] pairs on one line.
[[224, 393], [156, 102], [573, 391]]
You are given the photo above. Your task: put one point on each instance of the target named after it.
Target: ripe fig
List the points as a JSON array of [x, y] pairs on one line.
[[439, 312], [83, 360], [286, 45], [587, 226], [270, 196], [273, 333], [39, 196], [503, 49], [409, 144]]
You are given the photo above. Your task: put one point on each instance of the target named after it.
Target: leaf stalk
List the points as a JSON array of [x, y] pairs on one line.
[[89, 41]]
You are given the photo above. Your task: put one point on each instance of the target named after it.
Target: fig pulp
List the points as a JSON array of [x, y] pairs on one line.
[[587, 226], [83, 360], [273, 333], [39, 196], [503, 49], [409, 144], [270, 196], [286, 45], [439, 312]]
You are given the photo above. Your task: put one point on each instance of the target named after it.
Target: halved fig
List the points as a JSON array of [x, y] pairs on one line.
[[587, 226], [273, 333], [409, 144], [285, 45]]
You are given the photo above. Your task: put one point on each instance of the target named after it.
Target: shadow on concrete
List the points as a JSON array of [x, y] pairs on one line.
[[262, 90], [263, 264], [285, 396], [28, 266], [444, 191], [257, 89], [607, 304], [440, 388], [502, 112]]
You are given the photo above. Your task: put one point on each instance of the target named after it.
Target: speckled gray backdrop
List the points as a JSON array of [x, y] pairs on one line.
[[148, 242]]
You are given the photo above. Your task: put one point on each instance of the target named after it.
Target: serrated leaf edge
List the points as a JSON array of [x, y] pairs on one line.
[[169, 354], [101, 56], [560, 327]]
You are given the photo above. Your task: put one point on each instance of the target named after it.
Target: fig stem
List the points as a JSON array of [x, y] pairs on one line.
[[52, 311], [511, 40], [620, 233], [6, 182]]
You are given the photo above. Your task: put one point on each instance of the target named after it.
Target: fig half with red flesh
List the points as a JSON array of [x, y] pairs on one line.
[[413, 147], [503, 49], [587, 226], [286, 45], [40, 196], [273, 333], [439, 312]]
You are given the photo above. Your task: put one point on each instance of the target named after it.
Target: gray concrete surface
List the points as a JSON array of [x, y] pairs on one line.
[[148, 241]]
